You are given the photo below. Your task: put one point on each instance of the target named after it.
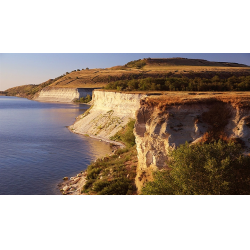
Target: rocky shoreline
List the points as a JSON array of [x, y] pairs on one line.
[[74, 184]]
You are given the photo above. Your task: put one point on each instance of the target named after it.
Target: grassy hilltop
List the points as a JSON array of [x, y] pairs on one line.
[[177, 68]]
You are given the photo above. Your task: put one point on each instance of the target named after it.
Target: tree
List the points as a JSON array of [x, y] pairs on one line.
[[216, 79], [216, 168], [88, 98]]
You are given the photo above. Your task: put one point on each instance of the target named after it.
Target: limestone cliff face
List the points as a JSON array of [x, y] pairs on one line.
[[165, 121], [62, 94], [159, 128], [110, 112]]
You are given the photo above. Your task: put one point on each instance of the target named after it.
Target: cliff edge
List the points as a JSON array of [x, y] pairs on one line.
[[164, 122], [110, 112]]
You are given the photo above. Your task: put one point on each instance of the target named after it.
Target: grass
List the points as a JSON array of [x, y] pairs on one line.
[[126, 134], [27, 91], [113, 175], [161, 102], [98, 78]]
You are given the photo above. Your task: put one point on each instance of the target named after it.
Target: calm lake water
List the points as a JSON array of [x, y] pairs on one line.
[[36, 148]]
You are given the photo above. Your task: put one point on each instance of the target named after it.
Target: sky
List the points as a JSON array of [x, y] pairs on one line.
[[35, 68]]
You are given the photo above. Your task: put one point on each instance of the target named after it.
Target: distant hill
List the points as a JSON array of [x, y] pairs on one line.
[[177, 61], [138, 69], [27, 91]]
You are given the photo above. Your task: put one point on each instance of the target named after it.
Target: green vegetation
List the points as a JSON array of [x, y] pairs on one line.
[[138, 64], [86, 99], [30, 90], [115, 174], [126, 135], [184, 83], [214, 168]]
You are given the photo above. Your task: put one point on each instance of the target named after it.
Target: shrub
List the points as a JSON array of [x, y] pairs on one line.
[[93, 173], [215, 168], [116, 187], [126, 135], [116, 176], [86, 99], [173, 83], [136, 64], [88, 184], [100, 185]]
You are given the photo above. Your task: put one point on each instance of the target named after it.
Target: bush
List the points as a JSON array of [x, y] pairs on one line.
[[215, 168], [138, 64], [88, 184], [174, 83], [86, 99], [126, 135], [116, 187], [93, 173], [113, 175], [100, 185]]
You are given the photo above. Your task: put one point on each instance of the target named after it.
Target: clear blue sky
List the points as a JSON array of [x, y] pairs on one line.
[[20, 69]]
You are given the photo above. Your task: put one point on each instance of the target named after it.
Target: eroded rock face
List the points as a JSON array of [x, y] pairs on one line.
[[110, 112], [157, 131], [164, 122], [62, 94]]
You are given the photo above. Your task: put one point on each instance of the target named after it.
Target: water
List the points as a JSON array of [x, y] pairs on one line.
[[36, 148]]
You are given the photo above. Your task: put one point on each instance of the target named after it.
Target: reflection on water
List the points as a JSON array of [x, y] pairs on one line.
[[36, 148]]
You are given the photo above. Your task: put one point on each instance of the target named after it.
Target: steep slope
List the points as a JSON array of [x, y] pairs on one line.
[[62, 94], [110, 112], [138, 69], [165, 122]]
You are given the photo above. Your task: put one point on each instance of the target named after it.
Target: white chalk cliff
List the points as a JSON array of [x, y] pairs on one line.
[[158, 131], [110, 112], [62, 94], [160, 125]]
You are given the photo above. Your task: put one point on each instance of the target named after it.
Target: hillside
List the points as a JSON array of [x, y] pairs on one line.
[[159, 122], [27, 91], [96, 78], [138, 69], [190, 62]]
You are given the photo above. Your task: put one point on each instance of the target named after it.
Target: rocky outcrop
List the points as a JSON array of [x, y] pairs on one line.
[[163, 122], [62, 94], [110, 112], [162, 125]]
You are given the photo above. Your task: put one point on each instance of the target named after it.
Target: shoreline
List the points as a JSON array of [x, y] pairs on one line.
[[112, 143], [73, 185]]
